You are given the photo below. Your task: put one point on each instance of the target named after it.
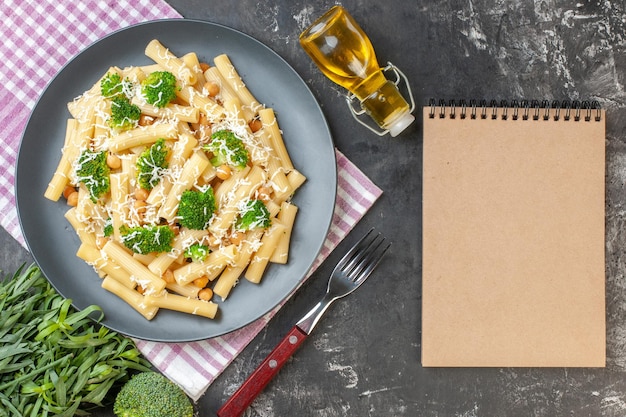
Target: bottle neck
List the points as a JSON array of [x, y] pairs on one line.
[[369, 85]]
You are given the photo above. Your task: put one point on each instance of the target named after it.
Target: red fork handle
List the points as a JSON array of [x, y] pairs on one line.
[[248, 391]]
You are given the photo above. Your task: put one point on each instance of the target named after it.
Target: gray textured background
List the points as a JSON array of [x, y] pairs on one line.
[[363, 358]]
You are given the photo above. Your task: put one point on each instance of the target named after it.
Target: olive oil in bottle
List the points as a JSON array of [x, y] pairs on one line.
[[344, 54]]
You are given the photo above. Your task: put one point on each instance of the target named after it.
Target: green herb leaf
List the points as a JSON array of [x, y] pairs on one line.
[[54, 360]]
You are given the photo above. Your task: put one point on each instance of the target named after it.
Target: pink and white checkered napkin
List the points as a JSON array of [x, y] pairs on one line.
[[39, 38]]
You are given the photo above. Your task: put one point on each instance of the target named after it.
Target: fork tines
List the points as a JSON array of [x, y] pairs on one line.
[[361, 260]]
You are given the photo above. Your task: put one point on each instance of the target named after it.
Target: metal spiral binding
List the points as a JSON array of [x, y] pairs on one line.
[[527, 110]]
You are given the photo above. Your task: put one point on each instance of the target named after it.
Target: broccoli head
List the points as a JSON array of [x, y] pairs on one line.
[[108, 227], [150, 394], [196, 207], [147, 239], [159, 88], [197, 252], [92, 170], [124, 115], [151, 165], [253, 214], [113, 86], [227, 149]]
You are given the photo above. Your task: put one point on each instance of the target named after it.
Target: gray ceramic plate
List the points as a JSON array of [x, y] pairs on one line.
[[52, 241]]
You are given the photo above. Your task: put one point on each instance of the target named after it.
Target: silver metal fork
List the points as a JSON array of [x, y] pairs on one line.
[[349, 273]]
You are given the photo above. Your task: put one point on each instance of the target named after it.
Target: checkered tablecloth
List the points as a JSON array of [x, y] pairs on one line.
[[39, 37]]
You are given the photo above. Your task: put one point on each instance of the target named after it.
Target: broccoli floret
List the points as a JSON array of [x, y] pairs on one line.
[[150, 394], [159, 88], [112, 86], [124, 115], [196, 207], [197, 252], [253, 214], [93, 171], [108, 227], [151, 165], [147, 239], [227, 149]]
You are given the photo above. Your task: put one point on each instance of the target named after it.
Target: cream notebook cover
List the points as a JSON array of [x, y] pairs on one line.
[[513, 237]]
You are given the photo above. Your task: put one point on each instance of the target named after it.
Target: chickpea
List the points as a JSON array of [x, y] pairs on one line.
[[202, 132], [263, 193], [203, 120], [237, 237], [145, 120], [205, 294], [212, 88], [140, 206], [68, 190], [174, 228], [255, 125], [223, 172], [72, 199], [204, 66], [201, 282], [141, 194], [113, 161], [168, 276]]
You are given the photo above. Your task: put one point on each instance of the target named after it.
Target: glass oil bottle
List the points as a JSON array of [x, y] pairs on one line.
[[344, 54]]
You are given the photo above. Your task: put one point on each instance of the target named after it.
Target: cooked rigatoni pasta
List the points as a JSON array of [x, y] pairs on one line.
[[178, 181], [162, 56], [142, 135]]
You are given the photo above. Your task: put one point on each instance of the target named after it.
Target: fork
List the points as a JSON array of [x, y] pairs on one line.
[[349, 273]]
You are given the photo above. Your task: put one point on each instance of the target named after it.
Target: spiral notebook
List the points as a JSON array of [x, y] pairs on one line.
[[513, 235]]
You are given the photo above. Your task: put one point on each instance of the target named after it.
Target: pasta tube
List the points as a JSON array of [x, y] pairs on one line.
[[193, 168], [228, 213], [184, 239], [132, 297], [271, 125], [84, 235], [141, 274], [183, 304], [170, 112], [217, 260], [230, 74], [231, 274], [93, 256], [162, 56], [286, 216], [71, 150], [143, 135], [208, 106], [261, 258]]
